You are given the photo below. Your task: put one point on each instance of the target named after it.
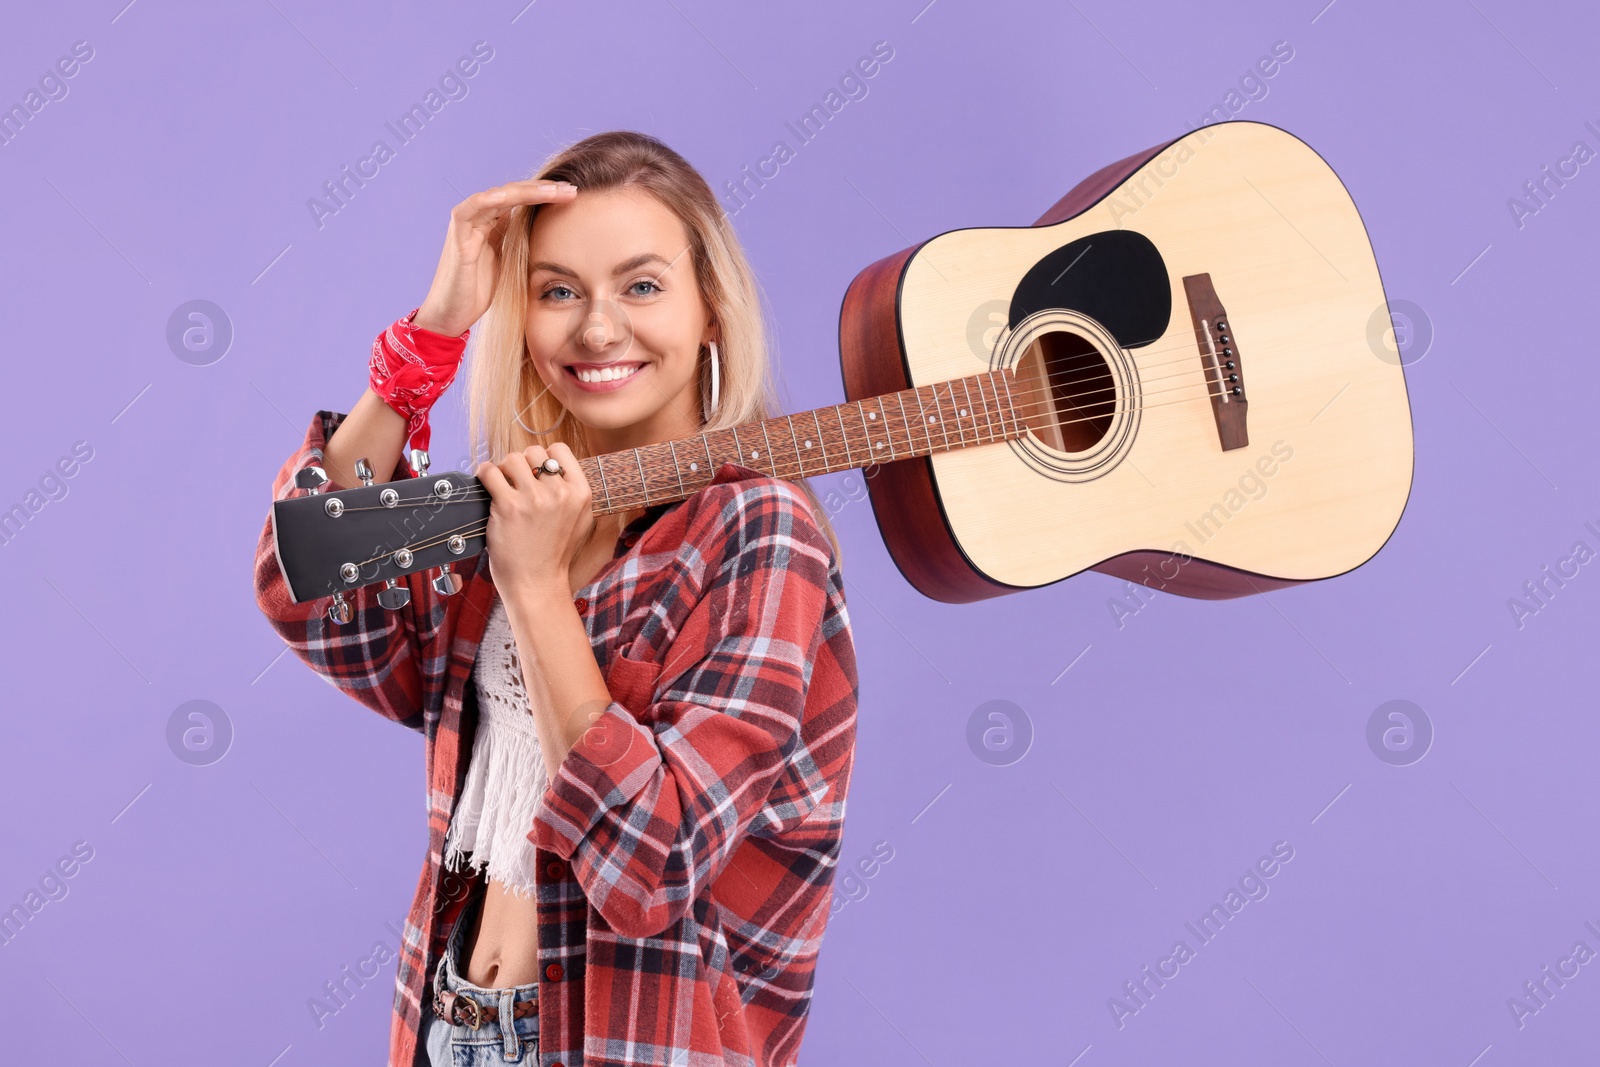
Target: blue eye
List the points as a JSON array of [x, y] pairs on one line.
[[646, 281], [552, 289]]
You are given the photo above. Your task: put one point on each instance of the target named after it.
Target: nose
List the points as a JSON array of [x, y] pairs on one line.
[[601, 328]]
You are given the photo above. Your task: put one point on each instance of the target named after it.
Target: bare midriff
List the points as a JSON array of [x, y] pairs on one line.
[[502, 948]]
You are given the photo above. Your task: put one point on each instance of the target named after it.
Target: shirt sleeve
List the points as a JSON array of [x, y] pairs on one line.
[[387, 660], [648, 814]]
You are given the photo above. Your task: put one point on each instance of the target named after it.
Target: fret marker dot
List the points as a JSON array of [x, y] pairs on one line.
[[755, 455], [694, 466], [808, 442], [932, 418], [880, 444], [963, 413], [872, 414]]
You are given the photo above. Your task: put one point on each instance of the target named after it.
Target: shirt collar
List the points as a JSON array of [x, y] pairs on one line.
[[726, 472]]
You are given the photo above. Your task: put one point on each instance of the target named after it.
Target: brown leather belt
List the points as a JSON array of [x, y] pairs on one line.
[[459, 1009]]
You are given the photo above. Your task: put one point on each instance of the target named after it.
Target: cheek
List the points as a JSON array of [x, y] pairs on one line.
[[671, 344]]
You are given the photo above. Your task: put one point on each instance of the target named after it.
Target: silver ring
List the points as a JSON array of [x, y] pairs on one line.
[[549, 466]]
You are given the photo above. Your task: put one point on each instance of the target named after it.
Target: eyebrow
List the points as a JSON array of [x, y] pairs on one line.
[[621, 268]]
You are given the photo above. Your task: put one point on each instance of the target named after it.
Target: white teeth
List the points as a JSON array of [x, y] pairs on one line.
[[606, 375]]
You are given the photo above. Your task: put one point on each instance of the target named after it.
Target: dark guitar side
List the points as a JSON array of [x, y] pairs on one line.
[[905, 497]]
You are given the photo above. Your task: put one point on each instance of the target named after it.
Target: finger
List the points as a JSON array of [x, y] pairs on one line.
[[572, 470], [535, 455], [491, 208], [493, 480], [563, 455], [517, 470], [532, 191]]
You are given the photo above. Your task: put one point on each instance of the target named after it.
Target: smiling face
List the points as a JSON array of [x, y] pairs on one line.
[[615, 317]]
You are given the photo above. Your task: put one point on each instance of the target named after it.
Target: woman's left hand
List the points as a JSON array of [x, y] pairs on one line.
[[536, 522]]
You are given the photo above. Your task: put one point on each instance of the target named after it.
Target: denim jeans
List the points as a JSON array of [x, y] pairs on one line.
[[458, 1045]]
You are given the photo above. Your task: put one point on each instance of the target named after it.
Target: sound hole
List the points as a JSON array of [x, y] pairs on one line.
[[1071, 395]]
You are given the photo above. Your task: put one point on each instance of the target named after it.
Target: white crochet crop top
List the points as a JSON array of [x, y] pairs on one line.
[[506, 776]]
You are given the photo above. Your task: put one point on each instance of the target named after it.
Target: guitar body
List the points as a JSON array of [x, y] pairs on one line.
[[1141, 461]]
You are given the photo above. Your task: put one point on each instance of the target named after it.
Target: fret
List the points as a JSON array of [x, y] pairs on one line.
[[838, 413], [886, 431], [922, 420], [988, 412], [871, 448], [770, 457], [795, 441], [820, 442], [677, 469], [967, 391], [600, 467], [944, 429], [1010, 403], [644, 486], [910, 441], [711, 464], [955, 406]]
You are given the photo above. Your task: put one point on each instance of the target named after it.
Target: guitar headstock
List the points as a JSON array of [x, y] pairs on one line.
[[330, 543]]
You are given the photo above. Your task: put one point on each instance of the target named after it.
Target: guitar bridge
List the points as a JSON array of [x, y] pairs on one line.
[[1220, 361]]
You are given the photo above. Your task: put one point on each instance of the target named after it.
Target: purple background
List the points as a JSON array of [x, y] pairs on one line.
[[1176, 750]]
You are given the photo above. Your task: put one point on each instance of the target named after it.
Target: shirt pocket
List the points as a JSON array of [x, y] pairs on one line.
[[632, 683]]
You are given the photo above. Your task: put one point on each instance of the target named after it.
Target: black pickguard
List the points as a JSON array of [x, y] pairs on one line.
[[1116, 277]]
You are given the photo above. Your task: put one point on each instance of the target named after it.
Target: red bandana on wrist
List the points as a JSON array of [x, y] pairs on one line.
[[410, 369]]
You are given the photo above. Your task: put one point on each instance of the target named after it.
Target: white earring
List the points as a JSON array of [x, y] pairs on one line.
[[716, 383]]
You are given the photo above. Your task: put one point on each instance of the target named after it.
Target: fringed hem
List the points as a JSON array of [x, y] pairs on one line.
[[500, 799]]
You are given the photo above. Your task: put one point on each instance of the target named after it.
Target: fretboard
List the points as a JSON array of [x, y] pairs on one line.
[[913, 422]]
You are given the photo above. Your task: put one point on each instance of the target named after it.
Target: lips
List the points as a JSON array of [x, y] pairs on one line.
[[603, 376]]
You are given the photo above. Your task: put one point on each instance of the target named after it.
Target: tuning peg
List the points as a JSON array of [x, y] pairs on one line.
[[446, 582], [339, 610], [364, 471], [419, 461], [393, 595], [312, 478]]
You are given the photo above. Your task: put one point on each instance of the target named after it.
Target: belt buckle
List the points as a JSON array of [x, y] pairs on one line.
[[447, 1000], [474, 1011]]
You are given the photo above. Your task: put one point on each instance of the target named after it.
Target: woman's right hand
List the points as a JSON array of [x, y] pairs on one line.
[[464, 284]]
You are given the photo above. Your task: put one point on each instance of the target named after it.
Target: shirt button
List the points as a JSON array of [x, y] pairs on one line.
[[554, 869], [630, 539], [582, 603], [553, 972]]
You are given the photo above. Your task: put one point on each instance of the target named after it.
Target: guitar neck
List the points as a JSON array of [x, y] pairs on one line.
[[976, 410]]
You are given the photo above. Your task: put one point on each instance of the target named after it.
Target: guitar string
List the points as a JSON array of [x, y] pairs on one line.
[[476, 527], [1035, 400]]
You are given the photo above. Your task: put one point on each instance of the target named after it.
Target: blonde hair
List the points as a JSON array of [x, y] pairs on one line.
[[502, 380]]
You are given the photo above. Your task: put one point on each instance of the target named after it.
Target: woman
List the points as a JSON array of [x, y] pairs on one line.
[[639, 727]]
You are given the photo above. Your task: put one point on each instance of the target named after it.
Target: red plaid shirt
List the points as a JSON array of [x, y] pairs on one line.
[[689, 840]]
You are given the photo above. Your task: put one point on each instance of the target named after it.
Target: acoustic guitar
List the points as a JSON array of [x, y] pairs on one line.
[[1184, 374]]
